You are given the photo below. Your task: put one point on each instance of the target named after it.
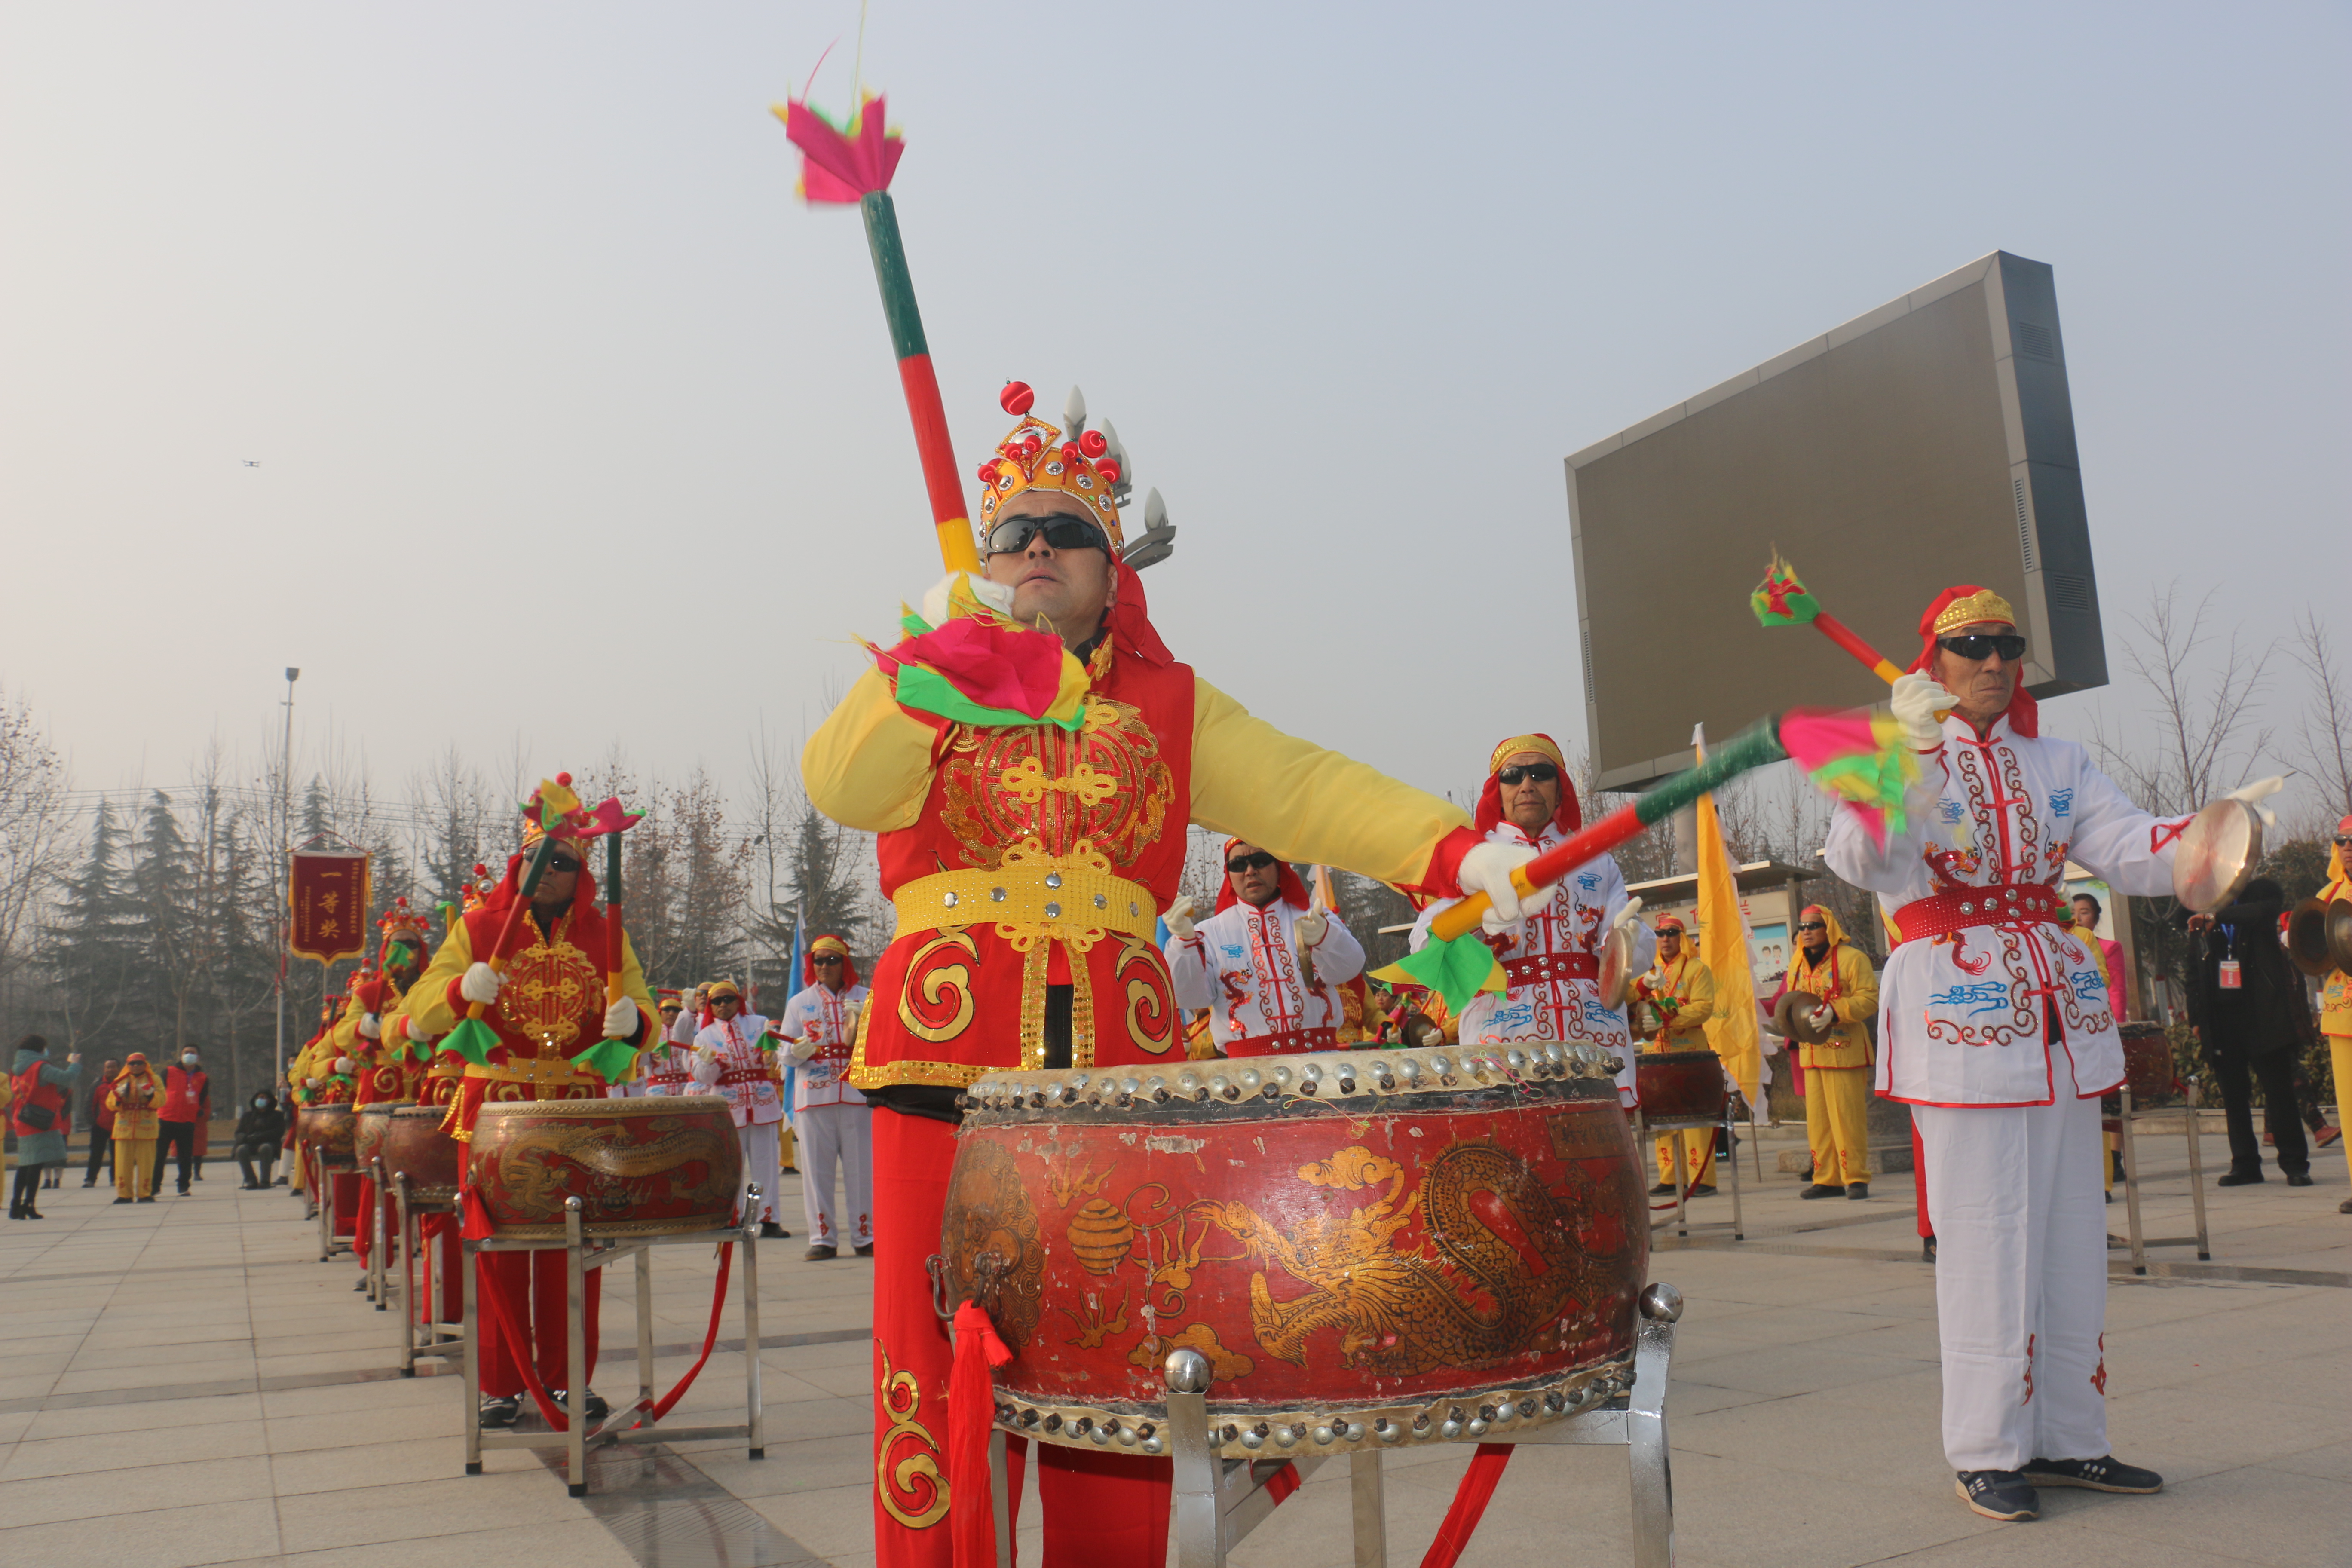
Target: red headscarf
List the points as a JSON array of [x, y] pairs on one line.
[[1289, 888], [2024, 714], [829, 943], [1570, 814]]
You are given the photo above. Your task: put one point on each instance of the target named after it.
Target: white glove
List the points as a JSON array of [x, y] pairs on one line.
[[1916, 701], [2260, 790], [371, 1026], [997, 596], [1822, 1017], [1488, 869], [1178, 917], [418, 1037], [480, 985], [620, 1019], [345, 1066], [1629, 915], [705, 1067], [1313, 923], [802, 1050], [311, 1083]]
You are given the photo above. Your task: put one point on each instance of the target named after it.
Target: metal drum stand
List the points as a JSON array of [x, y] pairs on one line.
[[334, 1241], [2126, 1120], [1644, 1130], [379, 1290], [636, 1423], [443, 1340]]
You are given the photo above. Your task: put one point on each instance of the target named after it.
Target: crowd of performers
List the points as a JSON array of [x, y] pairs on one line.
[[1034, 863]]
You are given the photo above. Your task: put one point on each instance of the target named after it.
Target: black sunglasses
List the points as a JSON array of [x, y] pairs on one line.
[[1542, 773], [1061, 531], [563, 863], [826, 958], [1810, 925], [2011, 646], [1258, 861]]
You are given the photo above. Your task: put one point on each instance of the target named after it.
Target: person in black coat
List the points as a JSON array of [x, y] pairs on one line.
[[2247, 1002], [260, 1129]]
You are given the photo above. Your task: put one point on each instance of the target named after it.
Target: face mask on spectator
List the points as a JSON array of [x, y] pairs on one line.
[[187, 1059], [260, 1102]]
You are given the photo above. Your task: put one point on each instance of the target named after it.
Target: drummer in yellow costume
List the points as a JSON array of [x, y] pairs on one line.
[[1682, 988], [1837, 1070], [2335, 994]]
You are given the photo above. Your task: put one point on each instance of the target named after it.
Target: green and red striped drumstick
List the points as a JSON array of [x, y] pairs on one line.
[[854, 165]]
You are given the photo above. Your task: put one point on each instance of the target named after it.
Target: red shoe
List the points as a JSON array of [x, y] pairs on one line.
[[2328, 1135]]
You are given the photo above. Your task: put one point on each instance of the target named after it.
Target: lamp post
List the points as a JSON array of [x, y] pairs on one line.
[[284, 891]]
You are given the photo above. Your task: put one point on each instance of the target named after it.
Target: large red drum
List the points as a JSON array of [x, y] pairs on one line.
[[328, 1131], [1680, 1086], [368, 1128], [639, 1167], [2148, 1062], [1368, 1248], [413, 1143]]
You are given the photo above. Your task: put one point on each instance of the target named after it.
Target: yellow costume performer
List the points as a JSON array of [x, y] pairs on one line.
[[1682, 988], [2335, 996], [1837, 1070], [137, 1101]]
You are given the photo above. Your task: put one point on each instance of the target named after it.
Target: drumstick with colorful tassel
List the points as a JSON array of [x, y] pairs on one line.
[[1780, 600], [853, 165]]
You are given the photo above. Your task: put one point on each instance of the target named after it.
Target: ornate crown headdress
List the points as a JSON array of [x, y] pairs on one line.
[[400, 923], [1984, 604], [1088, 467]]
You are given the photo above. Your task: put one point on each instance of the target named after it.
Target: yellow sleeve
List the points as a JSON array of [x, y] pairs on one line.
[[343, 1040], [634, 989], [1252, 780], [868, 767], [428, 1000], [1860, 985], [1699, 1005]]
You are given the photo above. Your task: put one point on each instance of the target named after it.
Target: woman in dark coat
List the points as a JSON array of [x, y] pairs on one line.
[[39, 1086], [2251, 1030], [259, 1127]]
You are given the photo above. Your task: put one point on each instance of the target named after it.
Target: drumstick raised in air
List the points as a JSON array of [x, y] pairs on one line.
[[1782, 601]]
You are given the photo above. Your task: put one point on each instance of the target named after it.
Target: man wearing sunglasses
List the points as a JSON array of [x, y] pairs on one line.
[[1550, 949], [1031, 828], [835, 1127], [1268, 964], [1994, 1025], [1680, 988], [546, 1007], [729, 1061], [1837, 975]]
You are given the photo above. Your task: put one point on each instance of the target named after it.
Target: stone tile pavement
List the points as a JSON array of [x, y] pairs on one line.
[[183, 1382]]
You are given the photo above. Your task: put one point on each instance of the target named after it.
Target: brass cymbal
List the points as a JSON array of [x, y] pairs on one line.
[[2319, 936], [2218, 850], [1791, 1015]]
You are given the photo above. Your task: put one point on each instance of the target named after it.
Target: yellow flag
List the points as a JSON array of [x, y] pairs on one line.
[[1723, 948]]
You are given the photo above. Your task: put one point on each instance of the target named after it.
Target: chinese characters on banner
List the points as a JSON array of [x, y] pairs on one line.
[[328, 904]]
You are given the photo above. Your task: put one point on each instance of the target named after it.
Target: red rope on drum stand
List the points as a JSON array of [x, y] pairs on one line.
[[1469, 1505], [710, 1337]]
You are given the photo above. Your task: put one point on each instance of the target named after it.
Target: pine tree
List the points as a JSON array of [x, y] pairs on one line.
[[164, 893], [93, 947]]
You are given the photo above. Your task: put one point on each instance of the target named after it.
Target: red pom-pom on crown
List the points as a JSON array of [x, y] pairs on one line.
[[1016, 397]]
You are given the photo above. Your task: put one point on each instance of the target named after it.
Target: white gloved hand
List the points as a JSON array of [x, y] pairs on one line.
[[480, 985], [805, 1049], [1488, 869], [1313, 923], [1822, 1017], [311, 1083], [371, 1026], [1631, 914], [705, 1067], [345, 1066], [2260, 790], [620, 1019], [418, 1037], [997, 596], [1916, 701], [1178, 917]]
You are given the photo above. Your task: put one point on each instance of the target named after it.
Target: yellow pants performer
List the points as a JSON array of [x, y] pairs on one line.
[[134, 1168], [1698, 1156], [1837, 1124], [2339, 1056], [1837, 1068]]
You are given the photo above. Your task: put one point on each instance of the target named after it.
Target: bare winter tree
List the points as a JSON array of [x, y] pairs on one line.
[[36, 830], [2205, 688], [2326, 726]]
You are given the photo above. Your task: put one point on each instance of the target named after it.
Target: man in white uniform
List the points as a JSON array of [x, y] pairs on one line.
[[1551, 955], [1268, 964], [833, 1122], [1994, 1025], [728, 1059]]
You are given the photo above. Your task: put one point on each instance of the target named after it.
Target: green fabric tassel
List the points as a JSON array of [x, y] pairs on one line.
[[473, 1040], [930, 692], [1457, 970], [609, 1060]]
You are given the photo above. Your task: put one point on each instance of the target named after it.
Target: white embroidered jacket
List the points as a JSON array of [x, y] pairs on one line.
[[832, 1017], [1241, 964], [1584, 908], [727, 1053], [1961, 1015]]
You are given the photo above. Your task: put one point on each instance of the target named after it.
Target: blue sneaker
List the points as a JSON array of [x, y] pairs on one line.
[[1998, 1494], [2103, 1475]]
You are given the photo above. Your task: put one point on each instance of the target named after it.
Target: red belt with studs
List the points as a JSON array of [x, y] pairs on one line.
[[1518, 972], [2002, 904]]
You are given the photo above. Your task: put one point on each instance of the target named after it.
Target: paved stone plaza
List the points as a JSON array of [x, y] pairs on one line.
[[185, 1384]]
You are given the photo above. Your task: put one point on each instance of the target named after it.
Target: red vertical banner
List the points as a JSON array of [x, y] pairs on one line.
[[326, 903]]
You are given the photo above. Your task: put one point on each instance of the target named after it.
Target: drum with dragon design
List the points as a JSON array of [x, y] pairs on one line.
[[1370, 1247], [415, 1144], [328, 1131], [369, 1126], [1680, 1086], [638, 1167]]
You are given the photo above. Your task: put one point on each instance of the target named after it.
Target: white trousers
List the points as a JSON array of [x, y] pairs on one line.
[[842, 1132], [2014, 1195], [762, 1163]]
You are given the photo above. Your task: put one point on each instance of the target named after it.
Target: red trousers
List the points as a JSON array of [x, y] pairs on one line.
[[530, 1285], [344, 1190], [1102, 1510], [364, 1235]]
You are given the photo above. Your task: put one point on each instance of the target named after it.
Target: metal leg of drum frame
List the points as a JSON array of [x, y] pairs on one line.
[[755, 1409], [575, 1353], [645, 1327], [1000, 1496], [376, 1268], [2131, 1180], [1647, 1457], [470, 1286], [1200, 1527], [326, 1209], [1368, 1500], [2196, 1176], [1732, 1157], [1682, 1183], [407, 1276]]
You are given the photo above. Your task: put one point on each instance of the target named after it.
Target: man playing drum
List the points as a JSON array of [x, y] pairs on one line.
[[1268, 964], [1993, 1023], [1680, 989], [728, 1060], [834, 1125], [1028, 860], [1551, 958]]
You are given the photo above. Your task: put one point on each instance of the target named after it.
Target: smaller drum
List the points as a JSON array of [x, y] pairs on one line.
[[1680, 1086], [639, 1167], [368, 1128], [414, 1143], [2147, 1063], [329, 1130]]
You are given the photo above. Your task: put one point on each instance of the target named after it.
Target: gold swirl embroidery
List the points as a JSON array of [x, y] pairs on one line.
[[918, 1475], [1025, 780], [1106, 784], [933, 985], [1147, 997]]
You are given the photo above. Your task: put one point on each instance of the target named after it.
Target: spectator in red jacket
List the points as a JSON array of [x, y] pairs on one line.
[[100, 1119], [187, 1100]]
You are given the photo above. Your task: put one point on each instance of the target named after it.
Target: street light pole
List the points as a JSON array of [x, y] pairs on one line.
[[285, 891]]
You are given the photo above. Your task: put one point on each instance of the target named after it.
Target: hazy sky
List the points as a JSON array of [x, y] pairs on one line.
[[574, 425]]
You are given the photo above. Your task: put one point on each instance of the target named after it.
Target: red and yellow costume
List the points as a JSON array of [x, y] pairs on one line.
[[1837, 1070], [551, 1009], [137, 1100], [2335, 994], [1683, 992], [1028, 862]]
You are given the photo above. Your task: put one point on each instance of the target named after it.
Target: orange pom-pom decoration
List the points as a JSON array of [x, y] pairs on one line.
[[1093, 444], [1016, 397]]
